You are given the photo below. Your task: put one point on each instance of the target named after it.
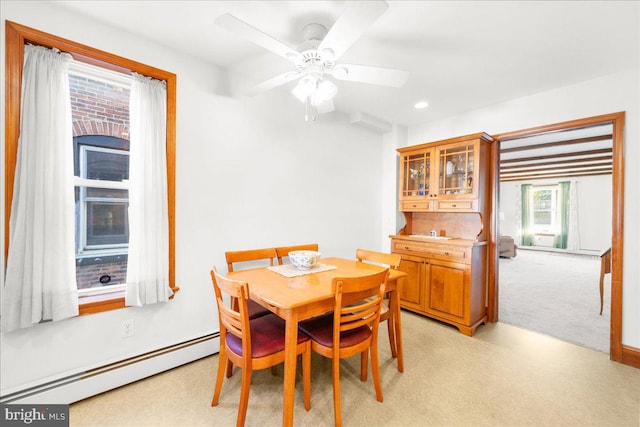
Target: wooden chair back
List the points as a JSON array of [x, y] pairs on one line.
[[236, 322], [233, 321], [250, 255], [283, 251], [365, 312], [390, 260]]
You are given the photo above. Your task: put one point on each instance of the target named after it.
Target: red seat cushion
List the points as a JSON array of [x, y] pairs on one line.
[[255, 309], [267, 336], [320, 329]]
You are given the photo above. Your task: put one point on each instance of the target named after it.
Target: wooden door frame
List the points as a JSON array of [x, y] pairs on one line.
[[617, 236]]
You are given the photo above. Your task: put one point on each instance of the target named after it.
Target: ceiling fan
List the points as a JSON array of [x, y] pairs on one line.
[[317, 58]]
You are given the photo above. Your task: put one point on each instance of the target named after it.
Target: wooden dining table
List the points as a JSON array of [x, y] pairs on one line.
[[298, 298]]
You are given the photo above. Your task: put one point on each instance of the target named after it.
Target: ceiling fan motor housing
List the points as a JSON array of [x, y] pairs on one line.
[[311, 60]]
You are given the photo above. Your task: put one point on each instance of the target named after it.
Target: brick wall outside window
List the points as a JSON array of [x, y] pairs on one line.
[[99, 109]]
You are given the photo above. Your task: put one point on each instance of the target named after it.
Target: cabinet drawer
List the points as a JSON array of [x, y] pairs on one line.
[[418, 205], [455, 205], [442, 252]]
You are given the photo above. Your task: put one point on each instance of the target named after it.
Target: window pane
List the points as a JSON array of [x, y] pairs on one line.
[[107, 193], [542, 217], [107, 166], [107, 223], [105, 270], [542, 199]]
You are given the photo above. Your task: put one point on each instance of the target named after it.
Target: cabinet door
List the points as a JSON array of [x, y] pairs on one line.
[[412, 288], [455, 170], [447, 289], [416, 175]]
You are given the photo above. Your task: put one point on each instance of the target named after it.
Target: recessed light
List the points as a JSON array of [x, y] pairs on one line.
[[420, 105]]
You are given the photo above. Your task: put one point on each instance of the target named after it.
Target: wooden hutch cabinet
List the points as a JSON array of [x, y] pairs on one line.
[[445, 198], [445, 176]]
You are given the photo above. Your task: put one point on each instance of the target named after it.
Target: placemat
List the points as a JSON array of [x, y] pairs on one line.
[[289, 270]]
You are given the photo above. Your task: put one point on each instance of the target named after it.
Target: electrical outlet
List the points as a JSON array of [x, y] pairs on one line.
[[128, 329]]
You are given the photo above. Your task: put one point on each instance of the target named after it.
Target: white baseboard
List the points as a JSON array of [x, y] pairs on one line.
[[96, 381]]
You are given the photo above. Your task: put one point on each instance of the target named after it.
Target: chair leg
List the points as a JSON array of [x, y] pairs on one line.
[[244, 396], [229, 368], [336, 389], [364, 361], [392, 337], [306, 375], [375, 370], [222, 361]]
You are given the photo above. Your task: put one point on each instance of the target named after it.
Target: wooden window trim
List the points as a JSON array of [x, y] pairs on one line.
[[16, 37]]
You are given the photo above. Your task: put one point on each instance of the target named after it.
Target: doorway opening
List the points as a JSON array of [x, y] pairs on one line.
[[616, 124]]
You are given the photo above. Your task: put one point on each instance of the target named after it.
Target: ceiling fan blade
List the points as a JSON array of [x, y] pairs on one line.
[[351, 25], [256, 36], [274, 82], [372, 75]]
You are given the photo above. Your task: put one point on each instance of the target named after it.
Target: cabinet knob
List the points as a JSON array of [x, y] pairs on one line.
[[453, 206], [414, 206], [446, 253], [406, 248]]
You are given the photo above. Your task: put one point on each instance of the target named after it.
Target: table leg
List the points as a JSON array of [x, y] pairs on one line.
[[290, 360], [394, 303], [601, 293]]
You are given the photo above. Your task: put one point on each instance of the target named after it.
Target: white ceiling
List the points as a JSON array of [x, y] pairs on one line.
[[462, 55]]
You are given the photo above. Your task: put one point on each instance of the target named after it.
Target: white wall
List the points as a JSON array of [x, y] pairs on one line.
[[594, 209], [608, 94], [250, 173]]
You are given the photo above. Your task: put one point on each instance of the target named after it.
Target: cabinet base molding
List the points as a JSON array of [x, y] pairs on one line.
[[464, 329]]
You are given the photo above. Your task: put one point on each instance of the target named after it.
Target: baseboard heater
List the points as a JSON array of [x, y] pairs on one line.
[[79, 386]]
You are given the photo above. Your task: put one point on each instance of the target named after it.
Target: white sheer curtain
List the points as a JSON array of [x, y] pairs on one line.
[[148, 263], [518, 209], [573, 237], [41, 277]]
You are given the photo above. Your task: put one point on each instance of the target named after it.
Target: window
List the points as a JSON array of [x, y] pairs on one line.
[[102, 208], [101, 157], [544, 209]]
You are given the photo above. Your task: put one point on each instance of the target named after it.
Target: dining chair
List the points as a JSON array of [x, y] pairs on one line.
[[252, 344], [255, 309], [391, 261], [350, 329], [234, 257], [283, 251]]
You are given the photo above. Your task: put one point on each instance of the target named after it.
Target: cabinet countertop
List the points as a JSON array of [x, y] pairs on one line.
[[449, 241]]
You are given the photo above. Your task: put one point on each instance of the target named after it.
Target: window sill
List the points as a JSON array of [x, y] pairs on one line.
[[90, 304]]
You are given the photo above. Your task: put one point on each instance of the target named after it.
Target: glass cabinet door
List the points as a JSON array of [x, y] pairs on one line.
[[416, 172], [455, 170]]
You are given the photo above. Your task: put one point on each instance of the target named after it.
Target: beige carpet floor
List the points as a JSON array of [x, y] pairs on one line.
[[503, 376], [556, 294]]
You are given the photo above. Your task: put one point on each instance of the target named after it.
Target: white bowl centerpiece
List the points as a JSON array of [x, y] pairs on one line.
[[304, 260]]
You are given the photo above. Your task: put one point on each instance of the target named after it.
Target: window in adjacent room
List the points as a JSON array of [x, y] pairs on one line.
[[544, 209]]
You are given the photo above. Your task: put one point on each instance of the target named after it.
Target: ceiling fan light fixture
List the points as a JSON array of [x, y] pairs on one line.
[[315, 90], [305, 88], [325, 91], [421, 105]]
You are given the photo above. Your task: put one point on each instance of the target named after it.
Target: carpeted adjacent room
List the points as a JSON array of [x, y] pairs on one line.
[[556, 294]]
